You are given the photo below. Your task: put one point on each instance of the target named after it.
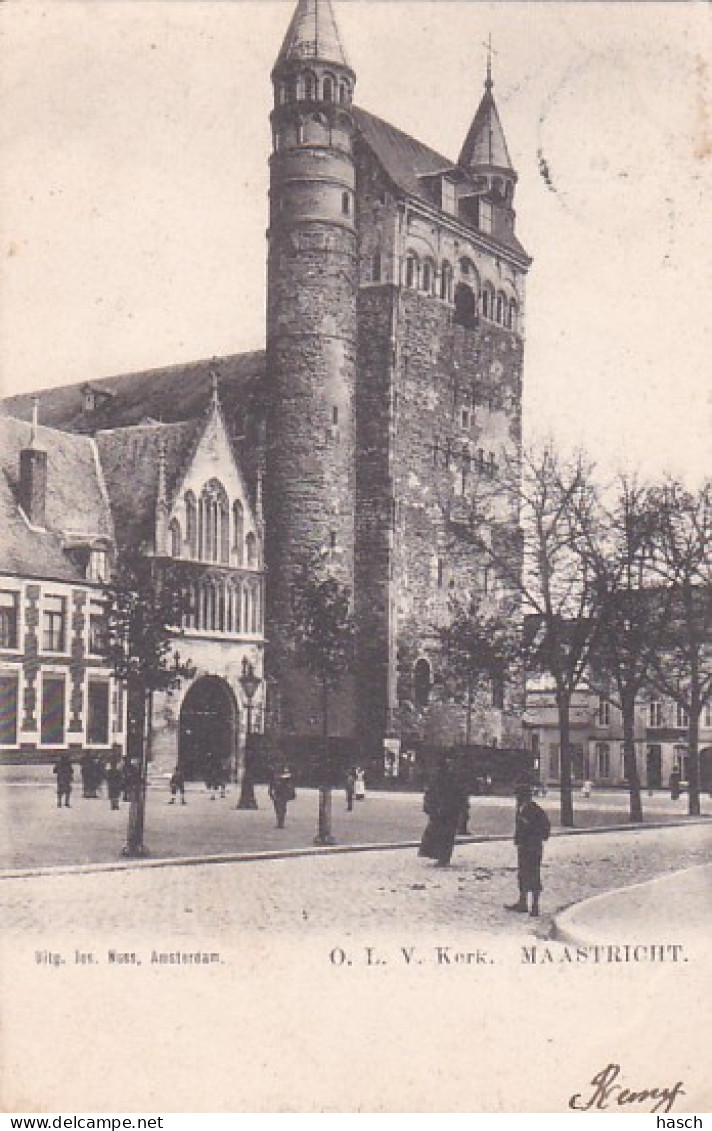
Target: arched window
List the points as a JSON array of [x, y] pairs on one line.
[[238, 532], [487, 301], [512, 319], [446, 282], [411, 270], [464, 305], [328, 89], [309, 86], [251, 547], [344, 93], [427, 276], [501, 303], [191, 524], [174, 531], [213, 523], [421, 683]]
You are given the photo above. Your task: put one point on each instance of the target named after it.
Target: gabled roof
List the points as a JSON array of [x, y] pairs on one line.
[[313, 34], [130, 459], [76, 505], [485, 145], [409, 165], [178, 392]]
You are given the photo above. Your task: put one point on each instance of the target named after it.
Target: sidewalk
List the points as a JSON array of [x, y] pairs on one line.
[[644, 911]]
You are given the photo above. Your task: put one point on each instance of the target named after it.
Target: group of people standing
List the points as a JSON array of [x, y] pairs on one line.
[[93, 774], [446, 801]]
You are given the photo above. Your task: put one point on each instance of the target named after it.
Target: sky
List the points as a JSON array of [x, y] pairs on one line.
[[134, 140]]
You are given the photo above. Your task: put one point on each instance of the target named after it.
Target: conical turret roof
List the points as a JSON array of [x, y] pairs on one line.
[[313, 34], [485, 143]]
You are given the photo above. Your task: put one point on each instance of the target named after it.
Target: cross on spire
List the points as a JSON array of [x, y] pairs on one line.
[[490, 52]]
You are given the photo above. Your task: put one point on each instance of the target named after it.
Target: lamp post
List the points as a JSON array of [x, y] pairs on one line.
[[249, 682]]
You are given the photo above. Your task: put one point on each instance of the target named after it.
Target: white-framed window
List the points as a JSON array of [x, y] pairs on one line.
[[54, 623], [603, 760], [97, 627], [603, 716], [98, 568], [98, 700], [682, 718], [448, 197], [9, 705], [655, 713], [53, 707], [10, 619]]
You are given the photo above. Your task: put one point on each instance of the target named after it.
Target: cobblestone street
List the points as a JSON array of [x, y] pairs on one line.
[[356, 891]]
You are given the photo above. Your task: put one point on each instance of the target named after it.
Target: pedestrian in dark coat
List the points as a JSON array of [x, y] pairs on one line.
[[65, 775], [178, 785], [443, 803], [532, 828], [350, 789], [281, 791], [114, 783]]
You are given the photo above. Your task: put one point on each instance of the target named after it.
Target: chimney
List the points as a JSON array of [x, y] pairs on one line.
[[33, 475]]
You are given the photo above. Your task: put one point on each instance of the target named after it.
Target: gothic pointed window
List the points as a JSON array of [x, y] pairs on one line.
[[344, 93], [501, 302], [251, 548], [238, 532], [446, 282], [309, 86], [174, 532], [328, 88], [191, 524]]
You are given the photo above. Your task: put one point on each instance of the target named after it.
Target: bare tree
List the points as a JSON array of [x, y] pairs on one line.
[[633, 610], [545, 560], [480, 643], [323, 641], [683, 665]]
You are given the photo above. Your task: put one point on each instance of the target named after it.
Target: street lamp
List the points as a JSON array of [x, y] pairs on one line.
[[249, 682]]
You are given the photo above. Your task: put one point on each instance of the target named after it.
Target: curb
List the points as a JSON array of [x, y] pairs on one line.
[[326, 850], [563, 928]]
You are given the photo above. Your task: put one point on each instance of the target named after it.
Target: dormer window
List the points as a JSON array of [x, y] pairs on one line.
[[98, 567], [448, 196]]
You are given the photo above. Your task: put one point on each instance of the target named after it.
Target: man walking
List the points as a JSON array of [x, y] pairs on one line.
[[532, 828], [65, 775]]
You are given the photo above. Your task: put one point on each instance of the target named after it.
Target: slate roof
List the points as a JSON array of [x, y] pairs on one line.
[[409, 163], [485, 145], [130, 460], [176, 393], [313, 34], [76, 505]]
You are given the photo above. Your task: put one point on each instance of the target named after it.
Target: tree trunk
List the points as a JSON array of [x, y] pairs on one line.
[[563, 703], [137, 768], [693, 758], [468, 721], [630, 761], [324, 835]]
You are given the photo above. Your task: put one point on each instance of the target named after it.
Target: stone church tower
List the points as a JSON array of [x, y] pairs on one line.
[[396, 292], [311, 320]]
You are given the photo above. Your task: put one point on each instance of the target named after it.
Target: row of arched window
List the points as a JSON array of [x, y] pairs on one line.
[[469, 297], [214, 531], [307, 87], [224, 605]]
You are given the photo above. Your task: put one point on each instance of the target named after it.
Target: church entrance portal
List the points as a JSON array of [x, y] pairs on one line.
[[208, 725]]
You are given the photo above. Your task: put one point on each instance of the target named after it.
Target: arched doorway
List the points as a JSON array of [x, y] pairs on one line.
[[208, 725]]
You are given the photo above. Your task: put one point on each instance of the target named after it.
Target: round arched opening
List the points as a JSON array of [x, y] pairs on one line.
[[464, 305], [208, 728]]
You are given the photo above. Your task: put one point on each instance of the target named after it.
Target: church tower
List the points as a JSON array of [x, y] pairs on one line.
[[311, 322]]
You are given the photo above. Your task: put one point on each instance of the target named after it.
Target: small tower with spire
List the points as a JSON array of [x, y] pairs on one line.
[[485, 154], [311, 309]]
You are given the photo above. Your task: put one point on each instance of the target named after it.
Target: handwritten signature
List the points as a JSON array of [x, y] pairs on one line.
[[606, 1092]]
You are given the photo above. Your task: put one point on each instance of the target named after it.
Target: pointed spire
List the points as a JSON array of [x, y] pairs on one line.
[[313, 34], [485, 145]]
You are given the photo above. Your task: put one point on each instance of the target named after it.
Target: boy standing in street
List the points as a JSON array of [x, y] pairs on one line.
[[532, 828]]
